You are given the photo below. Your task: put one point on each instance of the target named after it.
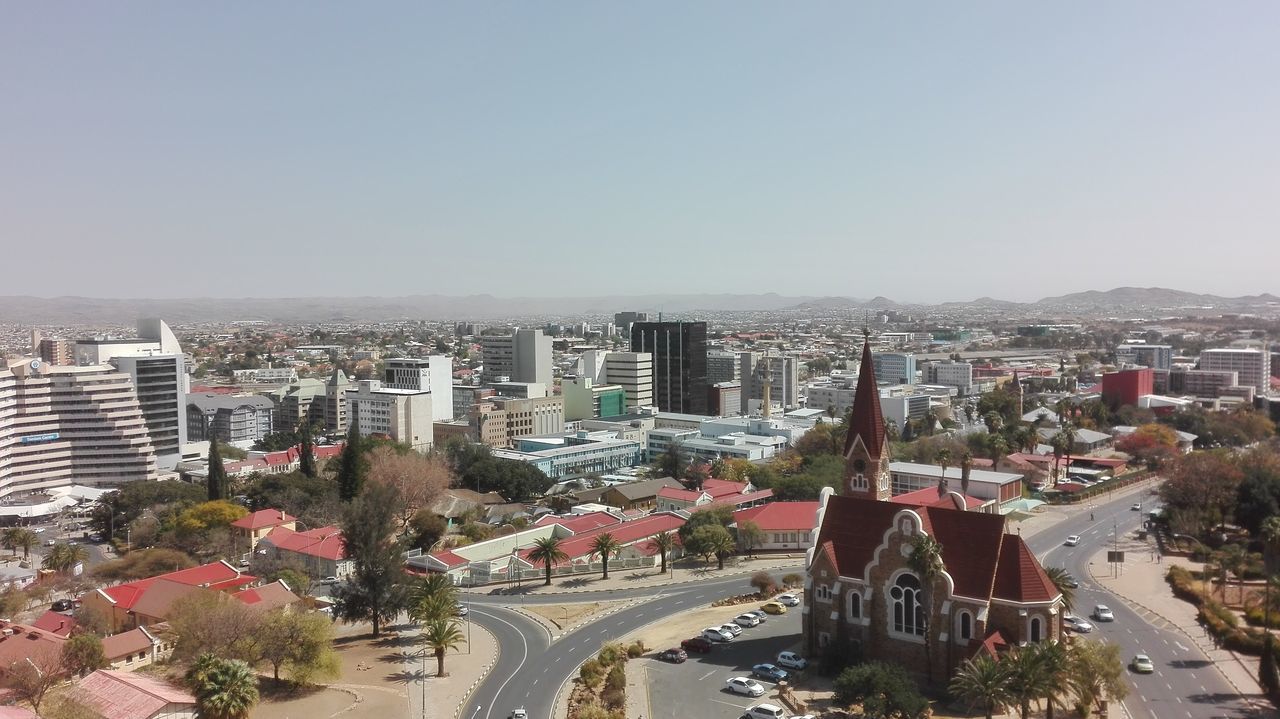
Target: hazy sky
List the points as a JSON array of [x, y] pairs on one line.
[[921, 151]]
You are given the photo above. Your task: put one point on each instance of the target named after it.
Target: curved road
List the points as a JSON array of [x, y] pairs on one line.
[[532, 667]]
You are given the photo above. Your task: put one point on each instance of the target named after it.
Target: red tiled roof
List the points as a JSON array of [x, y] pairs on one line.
[[449, 558], [268, 596], [739, 499], [867, 420], [217, 575], [55, 623], [625, 534], [993, 645], [781, 516], [27, 642], [583, 522], [125, 695], [687, 495], [323, 542], [1019, 576], [718, 488], [263, 518], [929, 497]]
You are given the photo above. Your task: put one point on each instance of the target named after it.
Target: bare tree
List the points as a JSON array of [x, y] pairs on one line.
[[32, 676], [419, 479]]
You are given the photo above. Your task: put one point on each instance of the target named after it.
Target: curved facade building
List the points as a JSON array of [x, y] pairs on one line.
[[70, 425]]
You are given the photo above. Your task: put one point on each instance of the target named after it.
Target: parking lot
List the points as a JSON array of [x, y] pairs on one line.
[[697, 687]]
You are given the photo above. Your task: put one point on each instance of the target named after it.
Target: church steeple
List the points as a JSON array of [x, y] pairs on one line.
[[866, 461]]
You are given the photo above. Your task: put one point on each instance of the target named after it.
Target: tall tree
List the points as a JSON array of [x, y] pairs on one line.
[[1097, 672], [224, 688], [983, 682], [1055, 665], [378, 590], [1270, 561], [1030, 677], [662, 543], [216, 481], [352, 465], [944, 461], [306, 451], [926, 561], [605, 546], [966, 467], [547, 552], [82, 653], [440, 636], [419, 479], [63, 557]]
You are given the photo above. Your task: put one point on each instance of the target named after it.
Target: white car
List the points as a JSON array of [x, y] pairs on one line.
[[1076, 624], [791, 660], [765, 711], [1102, 613], [787, 600], [732, 628], [1072, 541], [716, 634], [745, 685], [747, 620]]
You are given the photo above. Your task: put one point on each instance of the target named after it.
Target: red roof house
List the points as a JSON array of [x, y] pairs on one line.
[[320, 551], [115, 694], [786, 525], [117, 603]]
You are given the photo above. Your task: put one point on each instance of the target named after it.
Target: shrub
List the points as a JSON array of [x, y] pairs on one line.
[[636, 649], [611, 653], [792, 580], [1255, 616], [593, 710], [763, 582], [617, 679], [591, 672]]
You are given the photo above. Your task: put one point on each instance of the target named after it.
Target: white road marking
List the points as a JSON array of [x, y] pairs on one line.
[[524, 647], [738, 706], [1179, 646], [703, 678]]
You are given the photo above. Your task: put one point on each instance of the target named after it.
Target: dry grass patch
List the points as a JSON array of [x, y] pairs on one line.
[[567, 615]]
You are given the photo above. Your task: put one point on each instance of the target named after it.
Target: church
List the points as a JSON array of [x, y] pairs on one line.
[[861, 592]]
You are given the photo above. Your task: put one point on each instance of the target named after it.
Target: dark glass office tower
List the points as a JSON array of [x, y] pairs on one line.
[[679, 363]]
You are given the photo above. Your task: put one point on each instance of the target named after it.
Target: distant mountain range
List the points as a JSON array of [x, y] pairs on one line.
[[91, 311]]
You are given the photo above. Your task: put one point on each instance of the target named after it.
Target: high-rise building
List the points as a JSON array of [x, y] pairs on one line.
[[679, 352], [534, 416], [53, 351], [783, 375], [722, 367], [432, 374], [233, 419], [1145, 355], [895, 367], [950, 373], [724, 399], [584, 399], [522, 356], [624, 320], [403, 415], [157, 365], [70, 425], [1253, 365]]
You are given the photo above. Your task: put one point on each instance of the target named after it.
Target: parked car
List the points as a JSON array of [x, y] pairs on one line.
[[787, 600], [731, 628], [62, 605], [745, 685], [1102, 613], [747, 620], [716, 634], [1076, 624], [759, 615], [774, 608], [1142, 664], [765, 711], [328, 580], [50, 542], [770, 672], [38, 530], [675, 655], [698, 645], [791, 660], [1072, 541]]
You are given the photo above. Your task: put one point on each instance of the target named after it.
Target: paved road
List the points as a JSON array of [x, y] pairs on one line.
[[1185, 683]]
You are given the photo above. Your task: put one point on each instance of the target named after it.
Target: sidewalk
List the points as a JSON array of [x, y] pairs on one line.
[[1142, 585], [682, 571]]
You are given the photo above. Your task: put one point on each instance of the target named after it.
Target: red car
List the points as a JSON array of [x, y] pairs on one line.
[[673, 655], [696, 644]]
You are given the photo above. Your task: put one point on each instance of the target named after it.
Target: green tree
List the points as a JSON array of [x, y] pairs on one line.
[[926, 561], [1097, 673], [377, 589], [672, 462], [25, 539], [720, 515], [605, 546], [82, 653], [1062, 581], [983, 683], [750, 536], [306, 452], [711, 540], [1270, 532], [63, 557], [440, 636], [299, 642], [224, 688], [426, 528], [944, 461], [1055, 664], [547, 552], [662, 543], [216, 481], [966, 468], [1030, 677], [884, 690], [353, 467], [9, 539]]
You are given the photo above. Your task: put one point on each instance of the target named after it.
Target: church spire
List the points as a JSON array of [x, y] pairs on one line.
[[866, 420]]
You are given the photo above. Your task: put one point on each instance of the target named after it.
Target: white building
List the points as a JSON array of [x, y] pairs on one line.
[[950, 373], [783, 375], [61, 426], [404, 415], [895, 367], [1145, 355], [1253, 365], [522, 356], [433, 375], [632, 371]]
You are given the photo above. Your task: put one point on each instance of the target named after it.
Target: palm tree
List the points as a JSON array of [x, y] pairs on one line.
[[224, 688], [983, 682], [605, 546], [662, 543], [926, 561], [1030, 677], [966, 466], [1235, 559], [944, 460], [1063, 580], [722, 544], [26, 539], [1055, 665], [999, 448], [440, 636], [63, 557], [547, 551]]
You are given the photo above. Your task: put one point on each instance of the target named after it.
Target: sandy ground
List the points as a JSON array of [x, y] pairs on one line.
[[567, 615]]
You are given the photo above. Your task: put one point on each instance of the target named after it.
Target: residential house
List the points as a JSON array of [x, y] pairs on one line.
[[22, 642], [136, 648], [252, 527], [320, 552], [714, 491], [55, 623], [637, 495], [114, 694], [270, 597], [454, 504], [1085, 440], [119, 604], [786, 525]]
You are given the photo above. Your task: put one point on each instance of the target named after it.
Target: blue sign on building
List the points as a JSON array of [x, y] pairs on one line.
[[37, 438]]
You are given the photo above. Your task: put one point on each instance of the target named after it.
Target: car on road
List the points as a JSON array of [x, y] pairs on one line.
[[327, 580], [716, 634], [747, 620], [731, 628], [1135, 507], [745, 685], [769, 671], [698, 645], [1072, 541], [787, 600], [518, 714], [95, 537], [765, 711], [38, 530], [1102, 613], [1076, 624], [774, 608], [460, 609], [1142, 664], [791, 660], [675, 655], [50, 542]]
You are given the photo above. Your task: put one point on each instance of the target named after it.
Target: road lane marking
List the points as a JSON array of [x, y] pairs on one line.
[[524, 645], [703, 678], [1178, 644]]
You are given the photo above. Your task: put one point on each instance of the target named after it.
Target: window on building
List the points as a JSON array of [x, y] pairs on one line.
[[823, 639], [964, 629], [1036, 632], [855, 605], [908, 611], [822, 592]]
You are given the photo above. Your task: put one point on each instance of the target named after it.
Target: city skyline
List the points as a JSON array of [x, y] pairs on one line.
[[994, 149]]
